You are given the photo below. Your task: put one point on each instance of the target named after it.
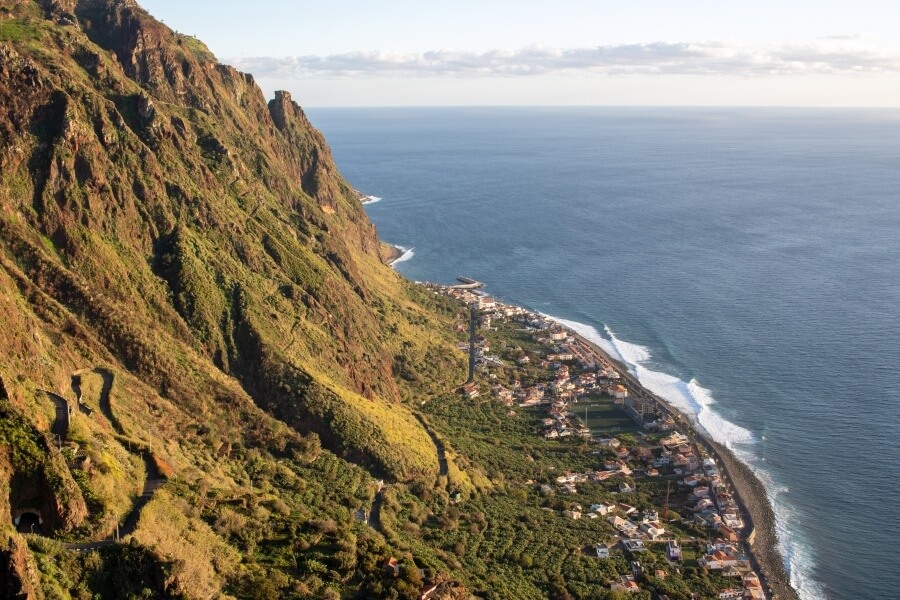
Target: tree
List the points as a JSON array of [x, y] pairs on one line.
[[558, 588]]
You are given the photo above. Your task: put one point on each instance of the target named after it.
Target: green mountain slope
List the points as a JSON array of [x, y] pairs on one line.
[[190, 254]]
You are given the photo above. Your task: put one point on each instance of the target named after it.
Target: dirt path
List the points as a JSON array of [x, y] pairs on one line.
[[152, 483]]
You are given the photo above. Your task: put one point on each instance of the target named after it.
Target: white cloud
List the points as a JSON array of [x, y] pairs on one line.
[[831, 55]]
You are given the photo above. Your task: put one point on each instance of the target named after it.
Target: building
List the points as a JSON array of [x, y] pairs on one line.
[[627, 584], [602, 509], [470, 390], [719, 559], [674, 440], [623, 526], [653, 529], [486, 302], [634, 546], [625, 509], [392, 566], [673, 550]]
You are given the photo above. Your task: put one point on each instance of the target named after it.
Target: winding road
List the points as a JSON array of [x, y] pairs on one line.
[[374, 520], [60, 428], [105, 406], [152, 483]]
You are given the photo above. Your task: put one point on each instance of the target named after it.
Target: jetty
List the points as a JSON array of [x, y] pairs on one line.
[[466, 283]]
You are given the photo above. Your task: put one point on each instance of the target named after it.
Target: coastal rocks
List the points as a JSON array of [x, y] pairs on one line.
[[752, 494]]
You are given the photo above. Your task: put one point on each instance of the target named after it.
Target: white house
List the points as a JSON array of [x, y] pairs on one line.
[[619, 391], [602, 509], [625, 509], [624, 526], [486, 302], [719, 560], [653, 529]]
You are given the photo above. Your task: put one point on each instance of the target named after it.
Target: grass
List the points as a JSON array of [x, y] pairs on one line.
[[388, 432], [19, 30], [205, 559], [194, 45], [604, 417]]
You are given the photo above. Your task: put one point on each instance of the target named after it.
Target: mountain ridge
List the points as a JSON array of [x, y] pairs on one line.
[[161, 220]]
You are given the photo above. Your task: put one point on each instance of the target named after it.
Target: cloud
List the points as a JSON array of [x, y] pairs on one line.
[[831, 55]]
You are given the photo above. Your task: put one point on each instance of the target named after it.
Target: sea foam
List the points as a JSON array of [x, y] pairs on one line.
[[689, 397], [407, 254], [695, 401], [369, 199]]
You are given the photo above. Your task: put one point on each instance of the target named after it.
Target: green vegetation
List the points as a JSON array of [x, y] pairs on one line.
[[25, 448], [198, 48], [123, 571], [19, 30]]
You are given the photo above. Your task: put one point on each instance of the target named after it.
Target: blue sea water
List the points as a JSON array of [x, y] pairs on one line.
[[745, 262]]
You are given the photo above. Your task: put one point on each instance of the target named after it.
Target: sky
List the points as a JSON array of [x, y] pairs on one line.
[[571, 52]]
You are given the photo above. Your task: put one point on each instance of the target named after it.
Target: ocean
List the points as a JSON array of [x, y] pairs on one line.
[[744, 262]]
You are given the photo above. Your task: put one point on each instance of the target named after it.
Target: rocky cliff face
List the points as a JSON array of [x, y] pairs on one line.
[[160, 218], [318, 176], [17, 573]]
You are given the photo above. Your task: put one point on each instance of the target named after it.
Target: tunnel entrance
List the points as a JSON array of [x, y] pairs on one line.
[[29, 521]]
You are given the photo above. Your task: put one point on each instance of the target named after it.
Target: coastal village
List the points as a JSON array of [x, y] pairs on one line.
[[688, 509]]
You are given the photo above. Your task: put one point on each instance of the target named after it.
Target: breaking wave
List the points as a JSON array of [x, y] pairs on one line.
[[689, 397]]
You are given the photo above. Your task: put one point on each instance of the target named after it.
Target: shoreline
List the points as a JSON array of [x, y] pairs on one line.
[[761, 540], [751, 495], [391, 253]]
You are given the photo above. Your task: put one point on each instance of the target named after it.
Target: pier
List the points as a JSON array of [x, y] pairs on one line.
[[466, 283]]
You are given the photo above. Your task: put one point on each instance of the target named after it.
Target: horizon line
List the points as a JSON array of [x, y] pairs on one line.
[[629, 106]]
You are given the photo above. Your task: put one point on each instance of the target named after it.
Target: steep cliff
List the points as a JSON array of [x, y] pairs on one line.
[[160, 221]]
